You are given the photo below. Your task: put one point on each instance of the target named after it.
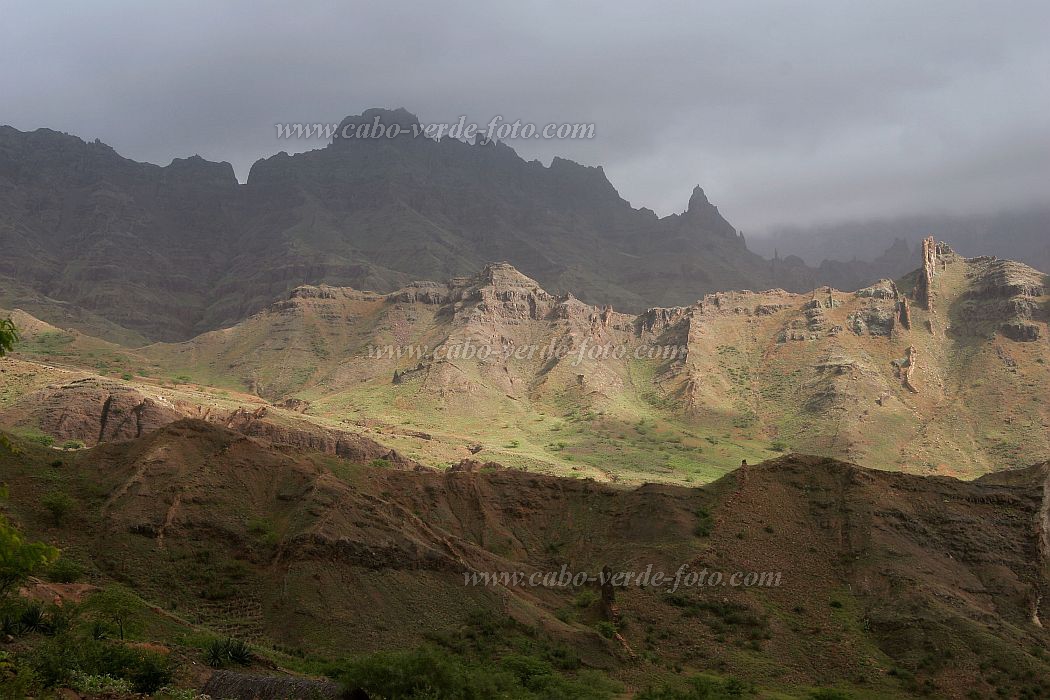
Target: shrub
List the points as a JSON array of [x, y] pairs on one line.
[[265, 530], [705, 524], [73, 445], [380, 463], [58, 505], [18, 558], [61, 660], [430, 672], [16, 679], [698, 688], [219, 653], [585, 598], [64, 571], [100, 684], [606, 629], [32, 617]]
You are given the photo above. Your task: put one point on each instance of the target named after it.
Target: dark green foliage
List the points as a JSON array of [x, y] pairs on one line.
[[55, 661], [20, 617], [826, 694], [18, 558], [58, 505], [698, 688], [431, 672], [8, 336], [219, 653], [31, 618], [64, 571], [705, 524]]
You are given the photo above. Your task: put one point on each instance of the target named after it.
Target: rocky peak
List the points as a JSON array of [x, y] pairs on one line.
[[370, 118], [705, 216], [504, 276], [199, 172]]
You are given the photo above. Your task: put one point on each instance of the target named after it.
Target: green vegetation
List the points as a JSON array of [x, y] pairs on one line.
[[119, 607], [432, 672], [8, 336], [265, 530], [220, 653], [59, 505], [705, 524], [20, 559], [699, 688]]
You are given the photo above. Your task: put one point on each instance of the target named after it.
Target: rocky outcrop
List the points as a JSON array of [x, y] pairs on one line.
[[95, 410], [1004, 297], [658, 320], [924, 290], [875, 320], [904, 312], [908, 368], [1021, 332], [883, 289]]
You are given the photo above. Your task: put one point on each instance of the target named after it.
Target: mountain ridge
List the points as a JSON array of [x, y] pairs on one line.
[[167, 252], [886, 375]]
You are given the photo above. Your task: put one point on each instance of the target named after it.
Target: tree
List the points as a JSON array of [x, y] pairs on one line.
[[8, 336], [20, 559], [118, 605], [59, 505]]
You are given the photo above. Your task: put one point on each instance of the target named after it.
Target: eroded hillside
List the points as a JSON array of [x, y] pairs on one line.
[[899, 584]]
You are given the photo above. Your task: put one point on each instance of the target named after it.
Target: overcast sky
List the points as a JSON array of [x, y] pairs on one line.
[[785, 112]]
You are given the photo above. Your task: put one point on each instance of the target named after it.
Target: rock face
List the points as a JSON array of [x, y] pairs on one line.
[[95, 410], [1021, 332], [924, 291], [1004, 297], [911, 363]]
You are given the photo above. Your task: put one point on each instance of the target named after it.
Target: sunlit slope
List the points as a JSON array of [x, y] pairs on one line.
[[943, 371]]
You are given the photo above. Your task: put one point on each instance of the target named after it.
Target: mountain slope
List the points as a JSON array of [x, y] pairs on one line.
[[940, 372], [890, 585]]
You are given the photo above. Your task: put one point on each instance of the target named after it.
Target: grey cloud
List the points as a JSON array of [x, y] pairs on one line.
[[785, 112]]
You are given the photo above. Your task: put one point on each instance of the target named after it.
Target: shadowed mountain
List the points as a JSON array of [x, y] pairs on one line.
[[126, 250], [1022, 235]]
